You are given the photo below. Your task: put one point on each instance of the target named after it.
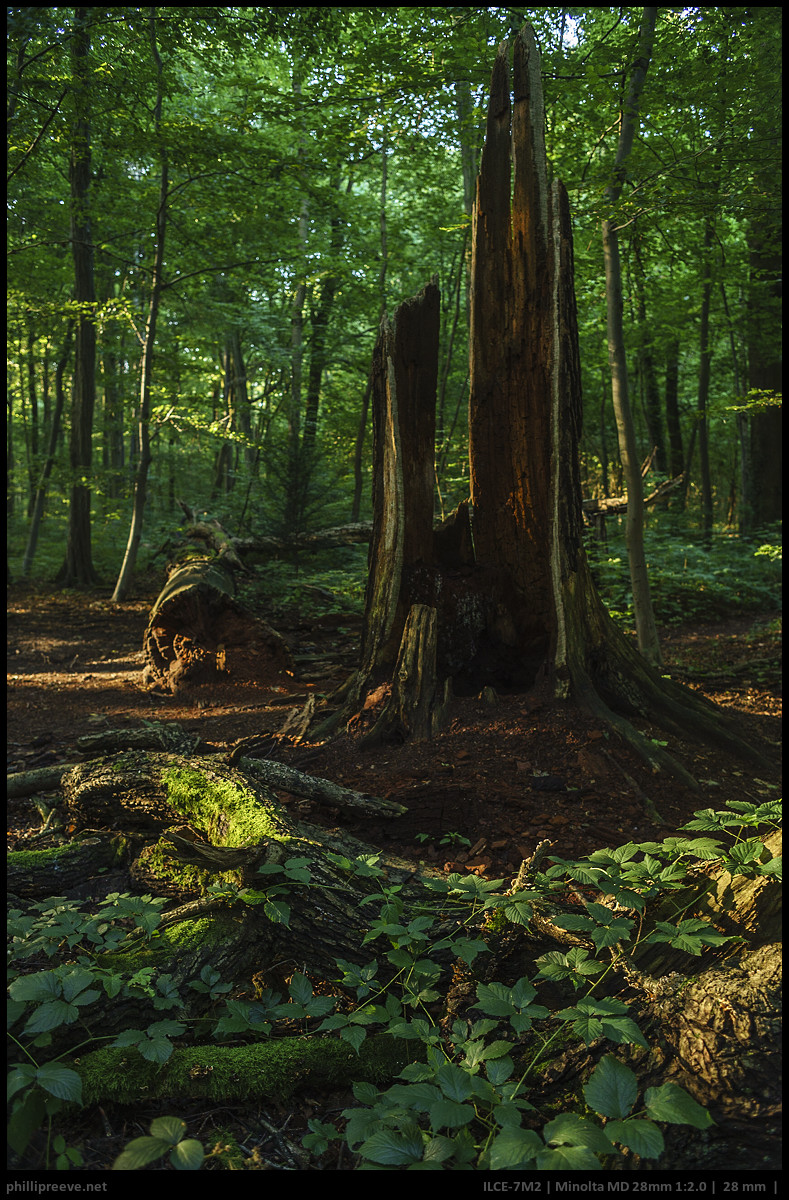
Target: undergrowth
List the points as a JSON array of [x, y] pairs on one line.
[[466, 1099], [689, 581]]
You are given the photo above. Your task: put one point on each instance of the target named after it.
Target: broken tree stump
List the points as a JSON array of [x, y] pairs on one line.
[[198, 633]]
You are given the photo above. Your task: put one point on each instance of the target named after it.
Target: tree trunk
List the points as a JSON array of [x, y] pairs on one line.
[[517, 600], [199, 634], [764, 505], [384, 257], [673, 425], [143, 463], [634, 529], [46, 471], [705, 365], [650, 391], [78, 569], [402, 551]]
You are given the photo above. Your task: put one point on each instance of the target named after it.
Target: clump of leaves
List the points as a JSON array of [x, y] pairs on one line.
[[166, 1137]]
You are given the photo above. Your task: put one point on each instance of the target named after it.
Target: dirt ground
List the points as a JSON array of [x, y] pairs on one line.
[[502, 777]]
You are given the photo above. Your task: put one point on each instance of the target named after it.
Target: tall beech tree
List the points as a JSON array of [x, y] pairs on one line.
[[149, 340], [518, 604], [634, 528], [78, 570]]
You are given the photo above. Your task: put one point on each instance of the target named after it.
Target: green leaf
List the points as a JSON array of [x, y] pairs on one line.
[[673, 1105], [141, 1151], [26, 1119], [300, 989], [638, 1134], [450, 1114], [393, 1148], [499, 1070], [277, 912], [51, 1015], [44, 985], [60, 1081], [75, 982], [187, 1155], [612, 1088], [570, 1158], [454, 1081], [691, 935], [569, 1129], [514, 1148], [354, 1035], [169, 1129]]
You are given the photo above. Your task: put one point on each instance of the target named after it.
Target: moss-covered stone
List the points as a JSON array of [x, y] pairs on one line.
[[272, 1070]]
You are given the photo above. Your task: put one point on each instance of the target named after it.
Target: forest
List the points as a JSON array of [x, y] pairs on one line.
[[394, 458]]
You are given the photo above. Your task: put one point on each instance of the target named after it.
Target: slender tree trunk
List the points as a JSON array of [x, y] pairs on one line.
[[46, 470], [320, 316], [673, 427], [78, 569], [294, 482], [33, 440], [705, 358], [242, 413], [141, 476], [363, 416], [634, 528], [652, 407], [443, 436]]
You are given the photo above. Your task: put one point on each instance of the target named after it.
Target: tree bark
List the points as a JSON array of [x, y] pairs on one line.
[[78, 570], [515, 600], [144, 461], [705, 366], [634, 529], [673, 424], [403, 571], [52, 446], [763, 504]]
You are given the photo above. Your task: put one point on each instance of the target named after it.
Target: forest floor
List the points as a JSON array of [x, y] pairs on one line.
[[501, 777]]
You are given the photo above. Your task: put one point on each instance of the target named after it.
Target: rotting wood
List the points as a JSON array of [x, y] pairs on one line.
[[199, 633], [322, 791]]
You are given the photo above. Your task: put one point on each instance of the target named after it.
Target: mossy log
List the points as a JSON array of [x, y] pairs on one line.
[[60, 870], [272, 1070], [194, 821]]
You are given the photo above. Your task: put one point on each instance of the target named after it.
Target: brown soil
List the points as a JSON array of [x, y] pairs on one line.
[[502, 777]]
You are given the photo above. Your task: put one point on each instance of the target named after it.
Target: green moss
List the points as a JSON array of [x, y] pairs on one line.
[[195, 934], [26, 860], [226, 1154], [227, 813], [188, 878], [270, 1070]]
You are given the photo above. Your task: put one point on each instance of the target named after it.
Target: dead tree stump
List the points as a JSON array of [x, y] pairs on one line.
[[198, 633]]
